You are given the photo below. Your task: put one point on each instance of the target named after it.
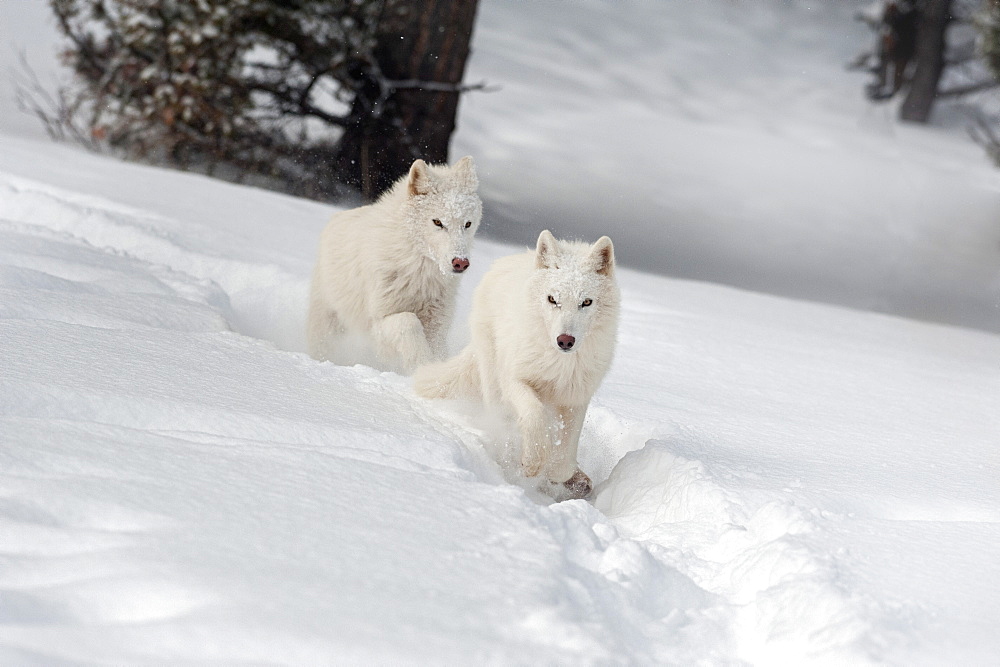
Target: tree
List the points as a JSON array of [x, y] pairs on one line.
[[935, 15], [930, 47], [896, 29], [407, 104], [301, 93], [987, 23]]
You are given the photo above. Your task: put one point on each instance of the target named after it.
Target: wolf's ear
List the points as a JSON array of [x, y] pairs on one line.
[[419, 179], [602, 257], [465, 173], [545, 251]]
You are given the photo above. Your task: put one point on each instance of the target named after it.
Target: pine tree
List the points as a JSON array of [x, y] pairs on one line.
[[246, 88], [987, 23], [930, 60]]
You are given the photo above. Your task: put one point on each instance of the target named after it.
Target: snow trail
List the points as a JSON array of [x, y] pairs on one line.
[[102, 285], [171, 463], [670, 554], [260, 300]]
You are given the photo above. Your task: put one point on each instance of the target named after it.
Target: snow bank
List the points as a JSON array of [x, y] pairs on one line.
[[178, 485], [791, 604]]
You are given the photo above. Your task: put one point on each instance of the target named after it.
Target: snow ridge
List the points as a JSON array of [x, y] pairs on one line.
[[756, 555]]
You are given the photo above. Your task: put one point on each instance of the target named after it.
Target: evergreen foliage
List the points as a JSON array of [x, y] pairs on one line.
[[255, 87], [987, 22]]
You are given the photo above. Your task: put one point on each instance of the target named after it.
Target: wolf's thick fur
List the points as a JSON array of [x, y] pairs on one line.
[[543, 336], [390, 270]]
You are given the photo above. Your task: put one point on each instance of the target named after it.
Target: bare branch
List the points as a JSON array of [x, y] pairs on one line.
[[297, 104], [56, 113], [440, 86], [969, 89], [982, 133]]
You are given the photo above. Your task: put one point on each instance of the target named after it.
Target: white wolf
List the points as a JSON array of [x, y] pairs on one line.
[[390, 270], [543, 335]]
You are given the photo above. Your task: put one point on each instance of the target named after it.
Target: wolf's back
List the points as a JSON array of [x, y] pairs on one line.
[[457, 377]]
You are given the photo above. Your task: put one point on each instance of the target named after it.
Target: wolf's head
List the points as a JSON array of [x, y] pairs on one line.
[[443, 211], [574, 289]]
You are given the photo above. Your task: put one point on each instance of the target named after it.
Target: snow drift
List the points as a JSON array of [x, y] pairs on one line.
[[778, 481]]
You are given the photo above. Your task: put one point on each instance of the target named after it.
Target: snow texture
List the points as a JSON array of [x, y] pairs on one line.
[[726, 141], [779, 482]]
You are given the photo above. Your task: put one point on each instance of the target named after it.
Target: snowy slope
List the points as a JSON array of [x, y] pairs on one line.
[[780, 481], [726, 141], [718, 140]]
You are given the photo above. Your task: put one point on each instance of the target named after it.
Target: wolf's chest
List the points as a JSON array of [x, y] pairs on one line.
[[564, 381], [414, 289]]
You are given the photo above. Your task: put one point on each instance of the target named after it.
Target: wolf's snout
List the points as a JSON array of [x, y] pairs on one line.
[[565, 342], [459, 264]]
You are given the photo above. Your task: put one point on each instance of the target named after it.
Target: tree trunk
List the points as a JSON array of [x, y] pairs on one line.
[[394, 120], [934, 19]]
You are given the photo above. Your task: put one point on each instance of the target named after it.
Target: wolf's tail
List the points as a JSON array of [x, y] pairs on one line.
[[457, 377]]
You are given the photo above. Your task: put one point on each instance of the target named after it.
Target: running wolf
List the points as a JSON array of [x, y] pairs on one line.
[[390, 270], [543, 335]]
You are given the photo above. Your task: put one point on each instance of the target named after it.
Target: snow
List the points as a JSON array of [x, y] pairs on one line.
[[644, 116], [779, 481]]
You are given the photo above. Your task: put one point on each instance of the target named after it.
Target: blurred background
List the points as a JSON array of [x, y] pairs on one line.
[[837, 151]]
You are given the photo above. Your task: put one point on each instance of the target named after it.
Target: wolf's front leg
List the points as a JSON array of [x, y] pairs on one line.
[[322, 330], [536, 434], [437, 338], [436, 318], [400, 338], [564, 468]]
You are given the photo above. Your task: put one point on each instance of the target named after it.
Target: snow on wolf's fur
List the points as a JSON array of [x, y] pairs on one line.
[[543, 335], [389, 271]]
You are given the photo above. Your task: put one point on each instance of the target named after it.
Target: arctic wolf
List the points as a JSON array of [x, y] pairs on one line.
[[543, 335], [390, 270]]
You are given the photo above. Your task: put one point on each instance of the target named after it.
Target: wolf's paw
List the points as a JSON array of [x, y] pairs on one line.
[[532, 461], [531, 469], [578, 486]]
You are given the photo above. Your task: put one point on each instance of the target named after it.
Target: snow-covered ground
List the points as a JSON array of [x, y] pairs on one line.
[[780, 482], [726, 141]]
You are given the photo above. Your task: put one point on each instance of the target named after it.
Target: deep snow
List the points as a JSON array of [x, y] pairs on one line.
[[726, 141], [779, 482]]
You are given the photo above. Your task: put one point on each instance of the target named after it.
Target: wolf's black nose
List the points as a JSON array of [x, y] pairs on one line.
[[565, 342], [459, 264]]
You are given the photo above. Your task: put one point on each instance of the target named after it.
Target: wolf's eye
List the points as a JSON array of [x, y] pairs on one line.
[[587, 302], [468, 224], [437, 222], [552, 300]]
